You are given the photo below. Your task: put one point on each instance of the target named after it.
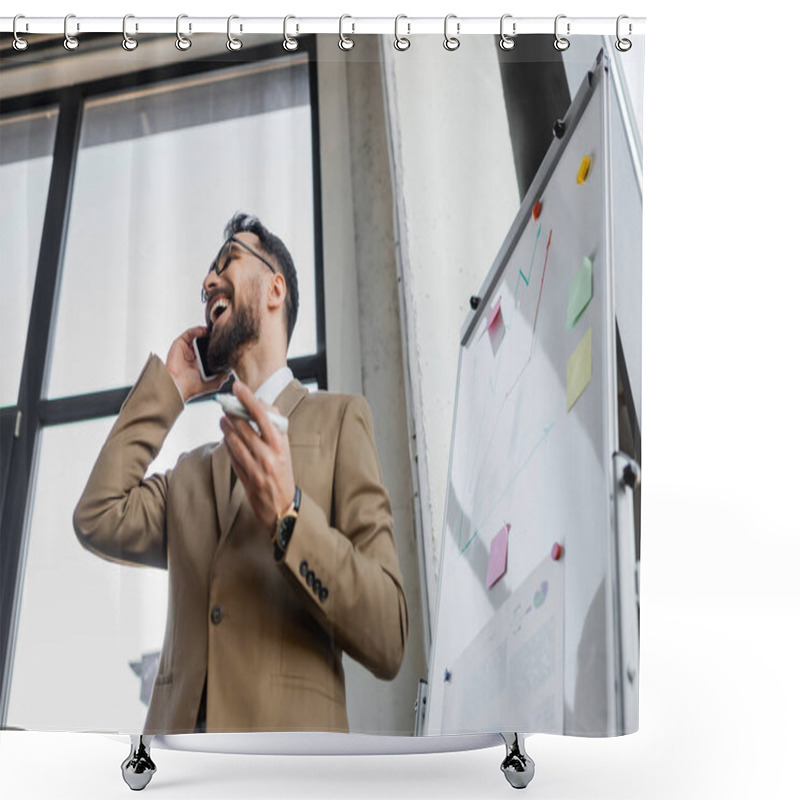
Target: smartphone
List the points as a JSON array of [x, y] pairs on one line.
[[200, 345]]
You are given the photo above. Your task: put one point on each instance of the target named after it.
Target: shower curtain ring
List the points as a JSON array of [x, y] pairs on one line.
[[19, 43], [623, 45], [70, 42], [289, 43], [507, 42], [451, 42], [401, 42], [561, 43], [345, 42], [181, 42], [233, 44], [128, 42]]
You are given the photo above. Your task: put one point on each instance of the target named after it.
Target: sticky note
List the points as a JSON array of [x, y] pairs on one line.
[[497, 328], [498, 557], [580, 292], [583, 170], [579, 369], [495, 314]]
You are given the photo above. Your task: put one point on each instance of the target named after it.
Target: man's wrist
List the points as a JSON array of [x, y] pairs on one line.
[[293, 506], [178, 386], [284, 526]]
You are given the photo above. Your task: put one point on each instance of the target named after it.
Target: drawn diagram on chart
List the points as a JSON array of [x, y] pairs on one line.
[[512, 357]]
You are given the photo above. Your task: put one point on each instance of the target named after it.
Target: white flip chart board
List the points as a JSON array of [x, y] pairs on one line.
[[527, 634]]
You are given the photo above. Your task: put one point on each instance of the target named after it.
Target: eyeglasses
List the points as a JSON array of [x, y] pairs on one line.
[[224, 258]]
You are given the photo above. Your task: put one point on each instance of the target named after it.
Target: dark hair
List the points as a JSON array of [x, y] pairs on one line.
[[272, 246]]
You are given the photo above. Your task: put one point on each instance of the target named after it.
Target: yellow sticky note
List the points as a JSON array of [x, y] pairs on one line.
[[579, 369], [583, 170]]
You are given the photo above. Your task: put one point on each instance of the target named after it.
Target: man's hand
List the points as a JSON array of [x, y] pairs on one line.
[[263, 463], [182, 365]]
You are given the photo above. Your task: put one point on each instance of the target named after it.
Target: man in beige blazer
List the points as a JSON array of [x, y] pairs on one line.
[[279, 547]]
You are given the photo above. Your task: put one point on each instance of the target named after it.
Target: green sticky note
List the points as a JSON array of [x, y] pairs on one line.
[[580, 292], [579, 369]]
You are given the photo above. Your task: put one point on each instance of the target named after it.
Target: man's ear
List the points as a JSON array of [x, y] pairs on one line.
[[277, 291]]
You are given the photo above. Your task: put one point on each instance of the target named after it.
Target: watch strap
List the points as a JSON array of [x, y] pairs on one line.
[[284, 528]]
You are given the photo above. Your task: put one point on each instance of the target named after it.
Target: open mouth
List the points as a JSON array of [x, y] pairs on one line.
[[217, 310]]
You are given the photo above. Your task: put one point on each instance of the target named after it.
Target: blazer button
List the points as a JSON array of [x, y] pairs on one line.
[[310, 577], [323, 594], [304, 568], [216, 615], [317, 586]]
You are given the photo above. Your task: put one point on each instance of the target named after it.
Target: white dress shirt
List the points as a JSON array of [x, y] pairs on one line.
[[274, 385]]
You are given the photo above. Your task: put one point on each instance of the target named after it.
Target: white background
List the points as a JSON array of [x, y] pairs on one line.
[[720, 536]]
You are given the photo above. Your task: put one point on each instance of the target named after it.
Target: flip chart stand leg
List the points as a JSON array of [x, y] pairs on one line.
[[138, 768], [518, 766]]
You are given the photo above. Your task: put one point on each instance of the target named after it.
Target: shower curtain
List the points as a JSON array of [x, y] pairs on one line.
[[443, 246]]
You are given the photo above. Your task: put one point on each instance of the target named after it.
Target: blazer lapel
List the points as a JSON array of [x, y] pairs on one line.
[[221, 472], [288, 399], [228, 504]]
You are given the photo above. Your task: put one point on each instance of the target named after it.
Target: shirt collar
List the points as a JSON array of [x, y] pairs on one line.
[[274, 385]]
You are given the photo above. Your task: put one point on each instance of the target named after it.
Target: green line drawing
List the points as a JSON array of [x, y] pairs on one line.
[[530, 268], [469, 542], [460, 528]]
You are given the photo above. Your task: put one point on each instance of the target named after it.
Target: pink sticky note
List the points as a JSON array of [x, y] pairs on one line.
[[494, 315], [498, 557]]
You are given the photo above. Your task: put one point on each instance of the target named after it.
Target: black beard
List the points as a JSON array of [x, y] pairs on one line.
[[225, 344]]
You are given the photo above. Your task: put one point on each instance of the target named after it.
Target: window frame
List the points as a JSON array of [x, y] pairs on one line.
[[23, 422]]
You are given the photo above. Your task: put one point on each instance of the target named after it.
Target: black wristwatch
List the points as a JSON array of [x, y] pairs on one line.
[[284, 527]]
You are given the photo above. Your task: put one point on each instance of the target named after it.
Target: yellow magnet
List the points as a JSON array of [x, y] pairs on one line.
[[583, 170]]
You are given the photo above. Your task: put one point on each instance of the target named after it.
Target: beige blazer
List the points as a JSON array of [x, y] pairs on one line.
[[268, 635]]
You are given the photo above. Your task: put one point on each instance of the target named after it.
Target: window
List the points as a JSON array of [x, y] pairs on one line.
[[73, 655], [114, 197], [26, 155], [159, 172]]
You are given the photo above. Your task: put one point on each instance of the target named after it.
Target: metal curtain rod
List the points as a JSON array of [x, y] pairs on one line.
[[350, 25]]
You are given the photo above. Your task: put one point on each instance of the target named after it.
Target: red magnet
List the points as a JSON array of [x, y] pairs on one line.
[[556, 552], [537, 209]]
